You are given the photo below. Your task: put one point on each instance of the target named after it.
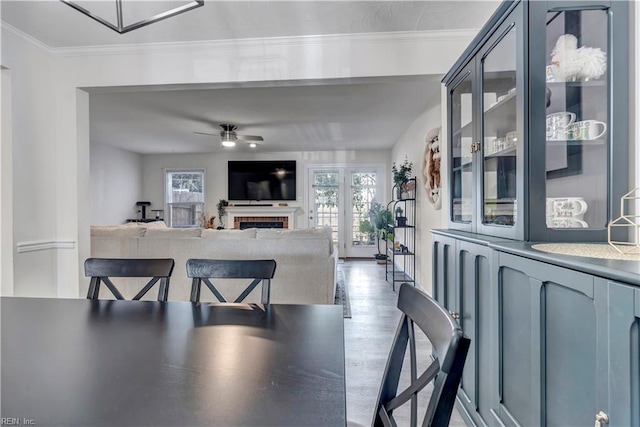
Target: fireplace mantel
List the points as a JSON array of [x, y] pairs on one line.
[[290, 212]]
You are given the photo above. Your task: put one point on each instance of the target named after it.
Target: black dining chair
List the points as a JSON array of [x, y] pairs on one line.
[[449, 353], [101, 270], [202, 270]]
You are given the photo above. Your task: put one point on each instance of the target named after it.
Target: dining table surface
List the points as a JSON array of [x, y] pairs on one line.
[[78, 362]]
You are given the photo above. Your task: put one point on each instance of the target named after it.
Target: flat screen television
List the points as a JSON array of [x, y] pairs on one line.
[[262, 180]]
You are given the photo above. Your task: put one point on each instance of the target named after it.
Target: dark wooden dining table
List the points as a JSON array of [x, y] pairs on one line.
[[75, 362]]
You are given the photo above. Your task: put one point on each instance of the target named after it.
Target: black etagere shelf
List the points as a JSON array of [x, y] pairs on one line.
[[401, 248]]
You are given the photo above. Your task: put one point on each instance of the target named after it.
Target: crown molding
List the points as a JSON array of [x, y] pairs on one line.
[[10, 29], [234, 44], [43, 245]]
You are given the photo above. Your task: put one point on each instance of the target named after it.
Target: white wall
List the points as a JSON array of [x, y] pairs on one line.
[[215, 166], [6, 186], [412, 144], [52, 207], [34, 166], [116, 184]]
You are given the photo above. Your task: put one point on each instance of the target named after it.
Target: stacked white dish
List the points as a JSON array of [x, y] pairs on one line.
[[566, 212]]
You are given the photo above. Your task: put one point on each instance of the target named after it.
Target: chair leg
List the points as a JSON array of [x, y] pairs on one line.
[[94, 288], [163, 292], [266, 291], [195, 290]]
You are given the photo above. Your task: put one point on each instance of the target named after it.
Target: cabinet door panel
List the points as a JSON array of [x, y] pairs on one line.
[[623, 306], [474, 287], [461, 130], [569, 347], [515, 343], [443, 276]]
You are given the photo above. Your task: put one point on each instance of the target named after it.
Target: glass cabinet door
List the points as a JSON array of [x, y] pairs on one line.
[[500, 132], [461, 128], [577, 97]]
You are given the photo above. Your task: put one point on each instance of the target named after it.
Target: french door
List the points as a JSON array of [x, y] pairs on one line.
[[340, 198]]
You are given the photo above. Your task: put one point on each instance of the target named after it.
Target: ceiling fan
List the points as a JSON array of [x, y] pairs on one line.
[[229, 136]]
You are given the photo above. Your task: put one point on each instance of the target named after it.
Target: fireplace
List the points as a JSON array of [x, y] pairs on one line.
[[241, 217], [242, 222]]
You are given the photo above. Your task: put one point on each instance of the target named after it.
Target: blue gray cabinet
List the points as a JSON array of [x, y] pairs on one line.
[[621, 395], [548, 337], [462, 283], [518, 167], [571, 335], [555, 339]]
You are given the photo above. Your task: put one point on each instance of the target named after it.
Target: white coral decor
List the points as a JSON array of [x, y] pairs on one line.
[[570, 63]]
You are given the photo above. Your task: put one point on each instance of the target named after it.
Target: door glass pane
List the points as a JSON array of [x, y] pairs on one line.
[[576, 125], [461, 165], [325, 194], [500, 132], [363, 193]]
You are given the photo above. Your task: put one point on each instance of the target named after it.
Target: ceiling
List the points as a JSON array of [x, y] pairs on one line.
[[320, 115]]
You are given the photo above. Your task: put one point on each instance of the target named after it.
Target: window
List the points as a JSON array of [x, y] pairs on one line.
[[184, 197]]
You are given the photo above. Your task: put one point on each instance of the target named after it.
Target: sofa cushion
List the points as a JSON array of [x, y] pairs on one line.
[[173, 232], [303, 233], [323, 233], [155, 224], [249, 233], [117, 231]]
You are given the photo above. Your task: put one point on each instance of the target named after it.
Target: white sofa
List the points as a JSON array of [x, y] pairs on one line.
[[305, 271]]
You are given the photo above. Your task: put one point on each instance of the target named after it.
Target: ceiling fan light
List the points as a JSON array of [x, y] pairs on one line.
[[253, 145], [228, 143]]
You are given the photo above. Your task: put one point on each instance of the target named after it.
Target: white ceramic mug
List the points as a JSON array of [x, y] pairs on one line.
[[586, 129], [557, 122], [566, 207]]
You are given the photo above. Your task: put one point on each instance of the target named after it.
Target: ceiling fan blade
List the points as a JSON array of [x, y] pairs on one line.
[[208, 134], [250, 138]]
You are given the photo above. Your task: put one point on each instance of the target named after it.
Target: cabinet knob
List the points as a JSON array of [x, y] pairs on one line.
[[601, 419], [454, 314], [475, 146]]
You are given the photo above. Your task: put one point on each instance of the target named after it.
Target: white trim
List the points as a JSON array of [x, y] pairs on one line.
[[234, 44], [43, 245], [27, 38]]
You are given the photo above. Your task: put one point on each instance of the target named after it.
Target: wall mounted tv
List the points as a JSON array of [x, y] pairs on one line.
[[262, 180]]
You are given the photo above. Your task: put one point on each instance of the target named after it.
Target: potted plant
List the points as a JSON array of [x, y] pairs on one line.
[[401, 175], [365, 227], [401, 220], [380, 218], [222, 211]]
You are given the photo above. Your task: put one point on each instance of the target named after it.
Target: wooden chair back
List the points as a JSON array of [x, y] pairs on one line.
[[449, 353], [203, 270], [101, 270]]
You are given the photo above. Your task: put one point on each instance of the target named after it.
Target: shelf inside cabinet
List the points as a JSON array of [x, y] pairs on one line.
[[499, 104], [507, 152], [465, 130], [600, 141], [588, 83], [501, 118]]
